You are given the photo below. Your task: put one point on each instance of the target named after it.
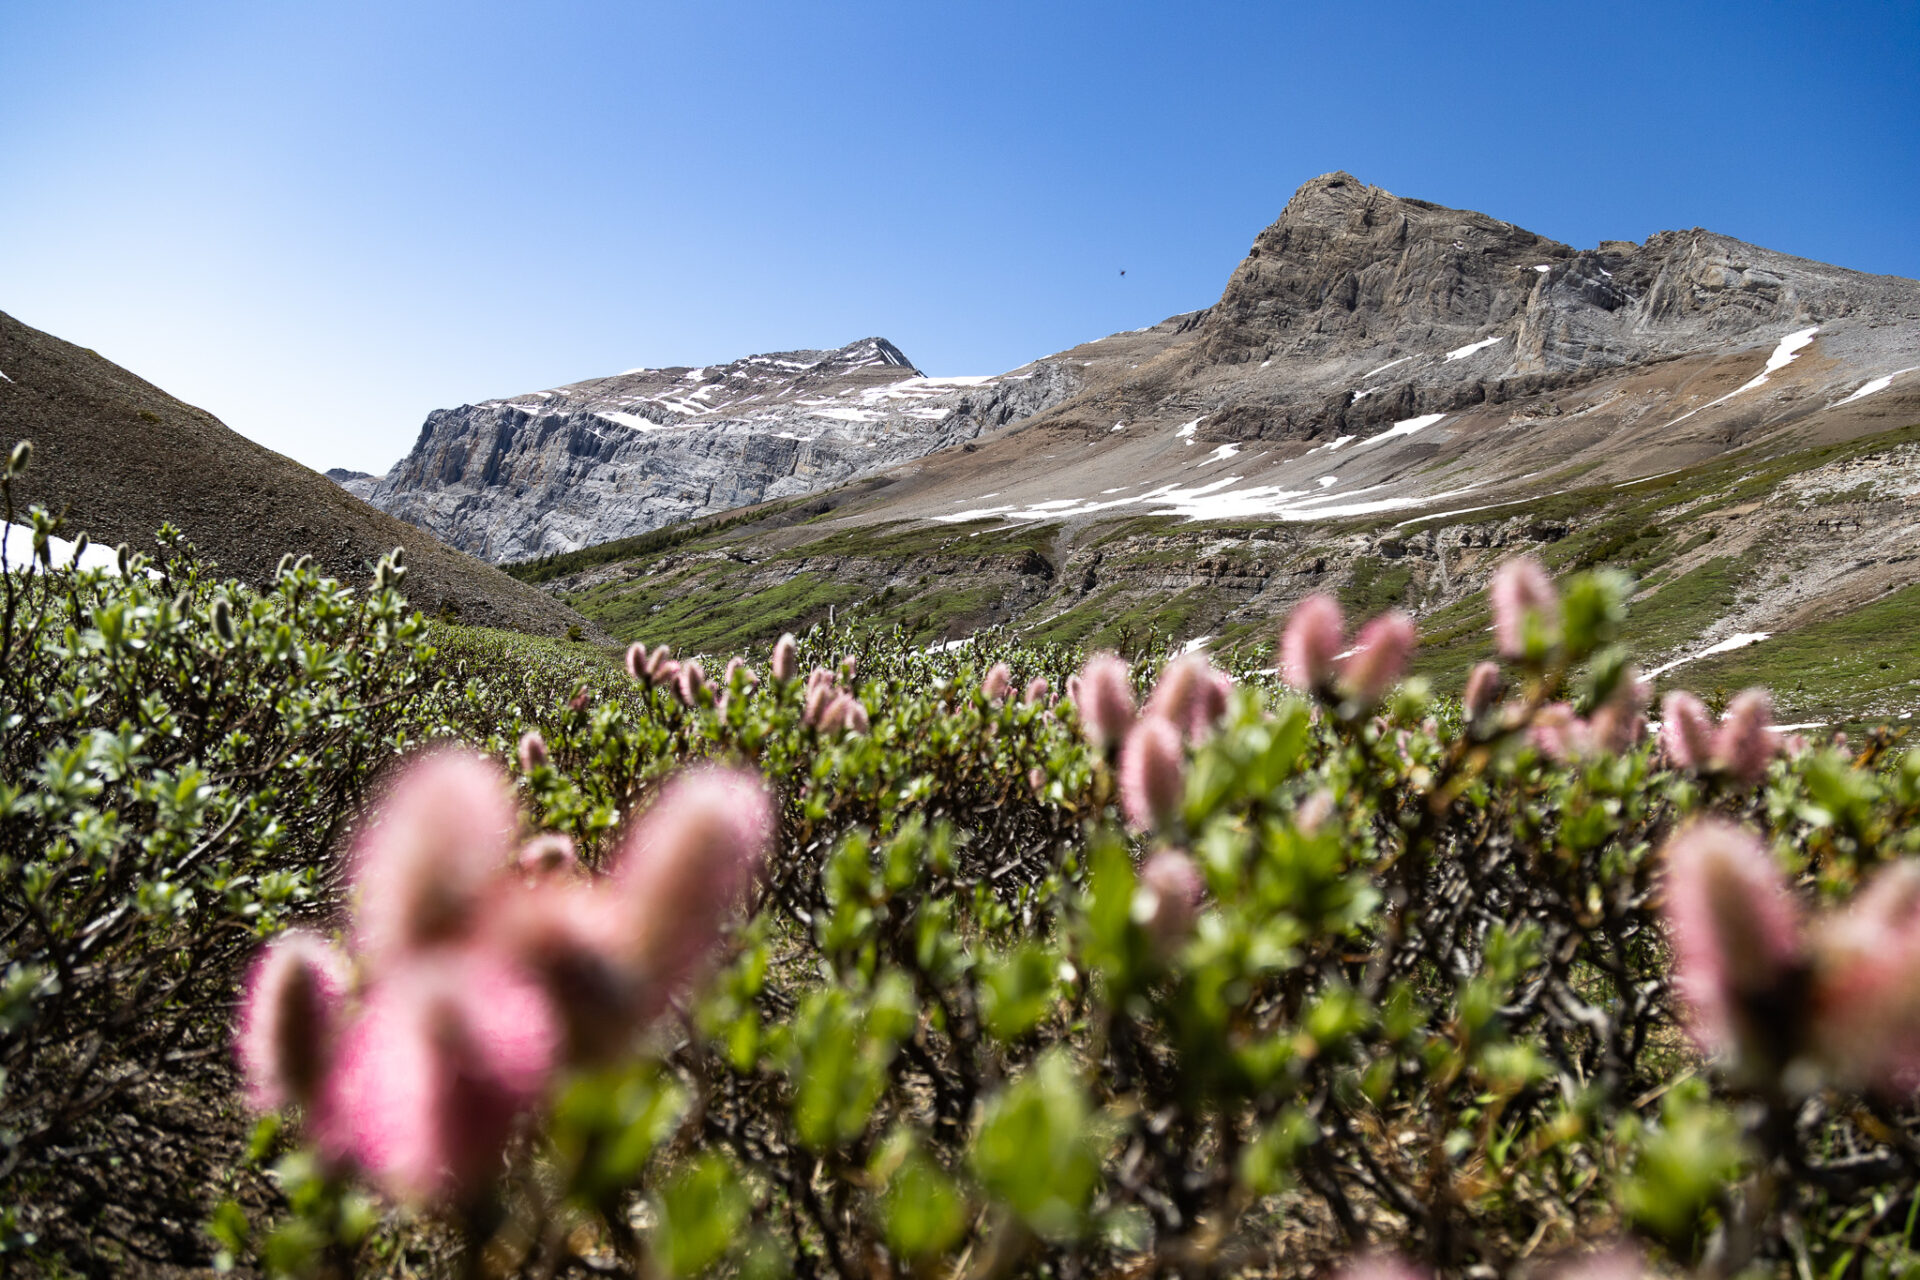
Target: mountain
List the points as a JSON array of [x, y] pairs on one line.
[[1388, 398], [551, 471], [121, 457]]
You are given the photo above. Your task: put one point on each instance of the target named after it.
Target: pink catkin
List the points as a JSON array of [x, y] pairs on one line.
[[1736, 933], [685, 865], [1168, 901], [637, 666], [786, 658], [693, 683], [1520, 591], [1190, 695], [431, 1074], [998, 683], [658, 662], [1380, 656], [547, 854], [1745, 743], [1152, 775], [1314, 636], [532, 751], [1483, 689], [1037, 690], [288, 1017], [1866, 987], [1686, 731], [1105, 700], [1617, 724], [418, 872]]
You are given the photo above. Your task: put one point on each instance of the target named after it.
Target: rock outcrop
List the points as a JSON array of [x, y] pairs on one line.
[[551, 471]]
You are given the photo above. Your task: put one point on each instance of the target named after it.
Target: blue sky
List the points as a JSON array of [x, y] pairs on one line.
[[321, 221]]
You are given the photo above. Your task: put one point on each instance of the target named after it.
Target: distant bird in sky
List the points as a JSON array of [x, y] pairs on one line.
[[1123, 271]]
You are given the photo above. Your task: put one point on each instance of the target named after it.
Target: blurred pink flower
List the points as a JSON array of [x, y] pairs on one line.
[[430, 1075], [288, 1016], [1616, 724], [1168, 899], [693, 683], [1746, 743], [1483, 690], [1737, 939], [1313, 811], [1190, 695], [637, 666], [786, 658], [1521, 591], [1105, 700], [533, 751], [445, 829], [737, 666], [1866, 987], [685, 864], [1686, 731], [1381, 1266], [998, 683], [1314, 637], [1152, 775], [1379, 658], [1037, 690], [548, 854]]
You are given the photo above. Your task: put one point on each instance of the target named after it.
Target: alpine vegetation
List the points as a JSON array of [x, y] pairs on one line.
[[340, 942]]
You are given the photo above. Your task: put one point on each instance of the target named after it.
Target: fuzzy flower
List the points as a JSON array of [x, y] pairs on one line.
[[1866, 988], [288, 1016], [786, 658], [1036, 779], [1314, 812], [737, 666], [849, 665], [1560, 734], [1616, 724], [1379, 658], [658, 664], [419, 871], [1738, 951], [532, 751], [1745, 743], [836, 715], [431, 1074], [998, 683], [1314, 637], [1686, 731], [1167, 901], [548, 854], [692, 687], [857, 719], [1152, 775], [667, 672], [1104, 699], [1037, 690], [684, 866], [1483, 688], [815, 705], [1523, 600], [637, 662], [1190, 694]]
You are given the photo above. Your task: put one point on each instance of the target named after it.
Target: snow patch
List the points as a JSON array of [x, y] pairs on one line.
[[1543, 268], [1739, 640], [1461, 353], [1405, 427], [1326, 481], [633, 421], [1118, 426], [1383, 368], [18, 540], [1783, 355], [1221, 454], [1186, 431], [1878, 385]]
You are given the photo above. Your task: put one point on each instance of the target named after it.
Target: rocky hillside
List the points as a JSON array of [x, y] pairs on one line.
[[1389, 398], [551, 471], [121, 457]]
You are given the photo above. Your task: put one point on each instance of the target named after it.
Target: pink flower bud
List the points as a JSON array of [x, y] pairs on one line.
[[1745, 743], [786, 658], [1315, 635], [738, 667], [819, 678], [444, 830], [815, 706], [1686, 731], [837, 715], [637, 666], [1866, 988], [1379, 658], [1617, 723], [1313, 812], [547, 855], [1190, 695], [578, 702], [667, 673], [1104, 700], [1152, 775], [1072, 689], [998, 683], [1736, 939], [849, 664], [857, 721], [1560, 734], [288, 1018], [1168, 899], [1521, 591], [533, 751], [658, 663], [430, 1076], [1036, 779], [1037, 690], [685, 865], [1794, 745], [693, 683], [1483, 689]]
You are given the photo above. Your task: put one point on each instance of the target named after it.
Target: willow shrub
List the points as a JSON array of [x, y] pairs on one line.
[[1343, 968]]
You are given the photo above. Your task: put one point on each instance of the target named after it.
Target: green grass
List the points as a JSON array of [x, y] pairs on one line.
[[702, 611]]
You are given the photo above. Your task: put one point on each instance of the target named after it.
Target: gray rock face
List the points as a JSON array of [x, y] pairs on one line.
[[1456, 308], [555, 470]]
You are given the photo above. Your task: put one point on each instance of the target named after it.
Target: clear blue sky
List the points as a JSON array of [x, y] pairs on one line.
[[320, 221]]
